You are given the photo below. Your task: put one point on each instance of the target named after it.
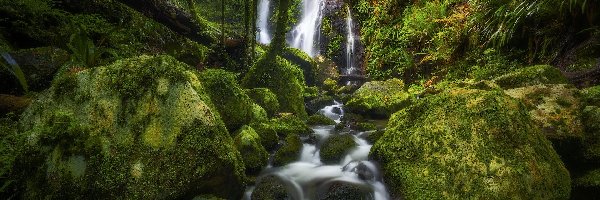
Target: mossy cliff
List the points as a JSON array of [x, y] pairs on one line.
[[465, 143], [142, 127]]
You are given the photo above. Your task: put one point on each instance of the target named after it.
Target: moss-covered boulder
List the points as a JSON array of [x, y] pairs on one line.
[[253, 153], [336, 147], [140, 128], [270, 187], [343, 190], [465, 143], [591, 96], [379, 98], [305, 62], [364, 126], [534, 75], [319, 119], [235, 107], [268, 135], [591, 144], [265, 98], [282, 78], [557, 111], [289, 151], [290, 125]]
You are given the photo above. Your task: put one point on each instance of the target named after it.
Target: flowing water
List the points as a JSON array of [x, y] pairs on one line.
[[263, 36], [308, 176], [350, 69], [305, 34]]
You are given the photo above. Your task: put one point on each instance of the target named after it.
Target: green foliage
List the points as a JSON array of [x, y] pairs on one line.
[[335, 147], [15, 70], [539, 74], [83, 51]]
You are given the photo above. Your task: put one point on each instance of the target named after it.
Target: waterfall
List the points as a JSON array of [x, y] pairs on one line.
[[304, 35], [263, 35], [350, 69]]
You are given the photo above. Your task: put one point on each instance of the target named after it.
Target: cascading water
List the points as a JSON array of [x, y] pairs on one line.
[[305, 34], [263, 35], [307, 176], [350, 69]]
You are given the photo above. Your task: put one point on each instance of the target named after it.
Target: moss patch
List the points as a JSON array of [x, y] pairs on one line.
[[335, 147], [265, 98], [290, 125], [319, 119], [534, 75], [379, 98], [254, 155], [465, 143], [289, 151]]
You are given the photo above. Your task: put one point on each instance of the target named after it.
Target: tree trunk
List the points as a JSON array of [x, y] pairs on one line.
[[278, 42]]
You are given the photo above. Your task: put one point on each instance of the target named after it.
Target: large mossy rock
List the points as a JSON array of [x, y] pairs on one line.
[[264, 98], [466, 143], [289, 151], [528, 76], [379, 98], [140, 128], [336, 147], [290, 125], [591, 144], [229, 98], [305, 62], [282, 78], [268, 135], [557, 111], [253, 153], [270, 187]]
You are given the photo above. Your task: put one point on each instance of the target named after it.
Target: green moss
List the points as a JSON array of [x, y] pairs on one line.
[[289, 151], [270, 188], [379, 98], [282, 78], [590, 179], [265, 98], [335, 147], [343, 190], [591, 145], [235, 107], [591, 96], [365, 126], [254, 155], [305, 62], [159, 140], [290, 125], [268, 135], [374, 136], [556, 109], [534, 75], [258, 114], [466, 143], [319, 119]]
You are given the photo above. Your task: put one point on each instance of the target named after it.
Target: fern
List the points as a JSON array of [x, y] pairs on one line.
[[84, 51], [15, 70]]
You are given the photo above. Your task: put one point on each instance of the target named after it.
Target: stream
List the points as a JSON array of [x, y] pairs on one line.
[[308, 176]]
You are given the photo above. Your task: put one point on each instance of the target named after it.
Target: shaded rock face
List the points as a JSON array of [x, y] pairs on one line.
[[465, 143], [38, 65], [378, 98], [139, 128], [247, 141], [334, 33], [335, 147], [344, 190]]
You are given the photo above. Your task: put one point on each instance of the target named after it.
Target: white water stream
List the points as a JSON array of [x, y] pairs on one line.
[[350, 47], [307, 176], [263, 36]]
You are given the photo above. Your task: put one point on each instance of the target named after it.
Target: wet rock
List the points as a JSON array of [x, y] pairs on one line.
[[379, 98], [319, 119], [268, 135], [337, 110], [438, 142], [270, 188], [364, 172], [289, 151], [141, 127], [344, 190], [336, 147]]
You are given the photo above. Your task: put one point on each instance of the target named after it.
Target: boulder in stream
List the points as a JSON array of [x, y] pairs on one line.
[[379, 98], [336, 147]]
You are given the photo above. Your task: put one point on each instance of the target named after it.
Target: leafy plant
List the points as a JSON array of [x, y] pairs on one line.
[[84, 51], [15, 70]]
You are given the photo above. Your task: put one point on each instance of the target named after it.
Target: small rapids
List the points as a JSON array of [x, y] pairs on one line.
[[308, 177]]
